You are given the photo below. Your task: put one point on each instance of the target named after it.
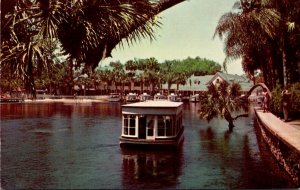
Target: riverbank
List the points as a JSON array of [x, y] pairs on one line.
[[64, 100], [283, 139]]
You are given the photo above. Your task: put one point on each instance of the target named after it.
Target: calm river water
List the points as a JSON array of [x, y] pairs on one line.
[[69, 146]]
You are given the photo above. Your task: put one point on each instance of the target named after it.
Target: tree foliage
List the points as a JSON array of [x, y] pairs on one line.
[[264, 33], [197, 66], [276, 101], [221, 100], [86, 31]]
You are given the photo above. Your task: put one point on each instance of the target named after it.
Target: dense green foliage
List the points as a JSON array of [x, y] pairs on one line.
[[149, 71], [295, 99], [221, 100], [143, 71], [276, 101], [177, 71], [87, 31], [197, 66], [265, 34]]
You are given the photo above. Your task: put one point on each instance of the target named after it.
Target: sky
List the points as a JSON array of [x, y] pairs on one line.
[[187, 31]]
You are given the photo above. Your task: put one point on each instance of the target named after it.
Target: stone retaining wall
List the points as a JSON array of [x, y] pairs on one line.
[[287, 155]]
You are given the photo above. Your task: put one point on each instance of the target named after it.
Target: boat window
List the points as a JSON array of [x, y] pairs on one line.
[[169, 126], [165, 126], [150, 127], [160, 126], [125, 125], [178, 123], [129, 125]]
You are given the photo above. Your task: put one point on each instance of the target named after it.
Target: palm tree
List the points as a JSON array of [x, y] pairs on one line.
[[180, 78], [139, 78], [130, 66], [31, 31], [248, 21], [168, 73], [118, 73], [221, 100], [151, 70], [288, 37], [82, 37], [106, 76]]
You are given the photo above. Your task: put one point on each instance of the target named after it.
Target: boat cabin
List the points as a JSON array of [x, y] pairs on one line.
[[195, 98], [145, 97], [152, 123], [132, 97], [159, 97], [114, 97], [174, 98]]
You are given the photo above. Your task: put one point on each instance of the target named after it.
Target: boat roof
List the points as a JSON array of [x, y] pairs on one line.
[[153, 108], [145, 95], [154, 104]]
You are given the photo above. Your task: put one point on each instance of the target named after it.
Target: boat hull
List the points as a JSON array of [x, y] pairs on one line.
[[132, 101], [173, 141], [114, 99]]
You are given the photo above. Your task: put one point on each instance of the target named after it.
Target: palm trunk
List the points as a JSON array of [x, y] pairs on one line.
[[230, 120], [152, 88], [271, 71], [29, 79], [166, 4], [116, 86], [123, 86], [169, 87], [130, 84], [284, 64], [142, 86], [230, 125]]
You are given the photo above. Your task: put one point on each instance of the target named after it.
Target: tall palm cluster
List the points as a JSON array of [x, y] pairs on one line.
[[152, 74], [146, 72], [266, 35], [86, 30]]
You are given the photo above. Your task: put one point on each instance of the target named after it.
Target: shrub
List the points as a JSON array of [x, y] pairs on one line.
[[295, 99], [276, 101]]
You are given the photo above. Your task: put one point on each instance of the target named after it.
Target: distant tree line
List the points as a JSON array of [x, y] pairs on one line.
[[143, 71]]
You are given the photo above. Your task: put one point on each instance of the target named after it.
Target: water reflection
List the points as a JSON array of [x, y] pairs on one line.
[[25, 161], [151, 168], [240, 164], [234, 155]]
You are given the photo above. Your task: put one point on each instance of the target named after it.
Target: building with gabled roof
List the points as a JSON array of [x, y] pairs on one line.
[[245, 83], [196, 84], [193, 85]]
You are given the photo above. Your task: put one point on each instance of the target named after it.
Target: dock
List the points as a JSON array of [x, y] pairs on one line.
[[11, 100], [283, 139]]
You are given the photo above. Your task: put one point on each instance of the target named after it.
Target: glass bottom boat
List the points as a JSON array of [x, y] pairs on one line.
[[152, 123]]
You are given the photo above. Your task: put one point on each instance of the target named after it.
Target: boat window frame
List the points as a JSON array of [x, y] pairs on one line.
[[150, 126], [170, 128], [128, 120]]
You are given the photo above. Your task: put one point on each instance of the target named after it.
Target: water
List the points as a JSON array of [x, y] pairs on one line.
[[76, 146]]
